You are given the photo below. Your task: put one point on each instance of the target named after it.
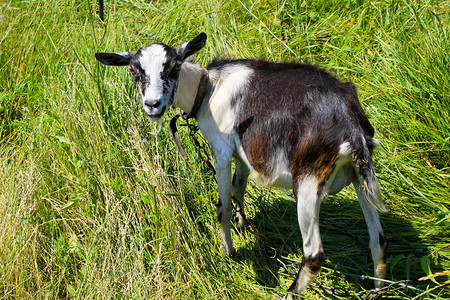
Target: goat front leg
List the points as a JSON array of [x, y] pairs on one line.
[[223, 173], [239, 184]]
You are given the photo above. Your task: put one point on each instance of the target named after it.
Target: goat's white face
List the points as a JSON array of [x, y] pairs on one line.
[[155, 69]]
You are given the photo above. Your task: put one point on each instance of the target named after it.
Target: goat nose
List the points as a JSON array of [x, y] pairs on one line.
[[152, 103]]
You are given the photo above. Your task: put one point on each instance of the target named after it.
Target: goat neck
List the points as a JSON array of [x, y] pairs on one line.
[[189, 81]]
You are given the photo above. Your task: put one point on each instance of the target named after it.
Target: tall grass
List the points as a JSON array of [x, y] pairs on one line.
[[95, 202]]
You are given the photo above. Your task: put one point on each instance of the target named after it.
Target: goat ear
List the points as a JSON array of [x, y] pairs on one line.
[[115, 59], [192, 47]]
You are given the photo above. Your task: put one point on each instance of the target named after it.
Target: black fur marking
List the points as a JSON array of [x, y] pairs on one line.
[[234, 179], [384, 245], [114, 59], [141, 78], [382, 240], [219, 64], [359, 117], [238, 180], [243, 126], [314, 263], [194, 45]]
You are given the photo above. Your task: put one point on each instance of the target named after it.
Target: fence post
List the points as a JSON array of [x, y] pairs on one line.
[[100, 10]]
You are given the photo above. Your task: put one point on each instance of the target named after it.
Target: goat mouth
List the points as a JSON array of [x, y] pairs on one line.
[[156, 116]]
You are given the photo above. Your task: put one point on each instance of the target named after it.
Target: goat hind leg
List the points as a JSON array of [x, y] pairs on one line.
[[308, 206], [378, 242]]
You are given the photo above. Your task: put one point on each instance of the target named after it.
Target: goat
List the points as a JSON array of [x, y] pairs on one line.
[[288, 124]]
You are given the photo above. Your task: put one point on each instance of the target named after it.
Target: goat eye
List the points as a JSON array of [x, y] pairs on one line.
[[177, 67], [133, 71]]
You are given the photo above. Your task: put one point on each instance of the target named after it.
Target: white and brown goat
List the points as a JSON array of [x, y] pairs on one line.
[[288, 124]]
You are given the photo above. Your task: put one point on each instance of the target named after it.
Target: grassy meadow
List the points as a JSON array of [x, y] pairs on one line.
[[96, 203]]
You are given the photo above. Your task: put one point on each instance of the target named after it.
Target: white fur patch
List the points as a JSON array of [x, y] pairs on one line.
[[216, 119], [345, 149], [188, 82], [344, 170], [231, 81], [152, 62], [280, 173], [308, 206]]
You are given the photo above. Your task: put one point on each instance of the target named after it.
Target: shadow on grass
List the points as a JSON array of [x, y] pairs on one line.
[[345, 241]]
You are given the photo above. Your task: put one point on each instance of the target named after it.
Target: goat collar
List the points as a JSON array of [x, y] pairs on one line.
[[201, 91]]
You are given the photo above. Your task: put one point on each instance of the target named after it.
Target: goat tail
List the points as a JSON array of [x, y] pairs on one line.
[[366, 178]]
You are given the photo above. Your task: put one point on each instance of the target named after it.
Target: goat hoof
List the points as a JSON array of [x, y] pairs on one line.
[[241, 222], [227, 251]]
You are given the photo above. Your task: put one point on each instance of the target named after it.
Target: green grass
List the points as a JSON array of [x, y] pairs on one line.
[[95, 202]]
